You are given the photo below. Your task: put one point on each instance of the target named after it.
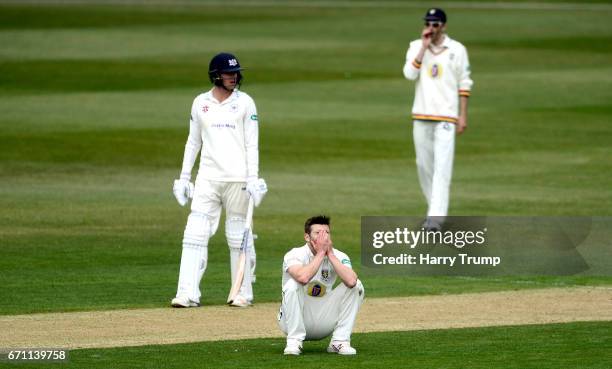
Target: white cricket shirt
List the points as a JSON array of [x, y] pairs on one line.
[[227, 133], [323, 280], [440, 79]]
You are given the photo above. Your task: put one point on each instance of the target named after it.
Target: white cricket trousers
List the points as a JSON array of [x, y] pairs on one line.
[[208, 200], [304, 317], [434, 144]]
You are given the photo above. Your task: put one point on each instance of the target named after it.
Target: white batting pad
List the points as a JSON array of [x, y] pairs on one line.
[[194, 258], [234, 230]]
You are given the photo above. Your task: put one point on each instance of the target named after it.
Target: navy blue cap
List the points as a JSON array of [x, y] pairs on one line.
[[435, 14], [224, 63]]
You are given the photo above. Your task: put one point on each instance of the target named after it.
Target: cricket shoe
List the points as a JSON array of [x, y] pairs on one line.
[[183, 302], [432, 224], [293, 348], [341, 348], [240, 301]]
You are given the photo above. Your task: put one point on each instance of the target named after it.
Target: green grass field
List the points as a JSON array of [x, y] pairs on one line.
[[567, 346], [95, 101]]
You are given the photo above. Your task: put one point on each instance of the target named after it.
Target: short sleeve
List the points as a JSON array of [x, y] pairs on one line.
[[291, 258], [344, 259]]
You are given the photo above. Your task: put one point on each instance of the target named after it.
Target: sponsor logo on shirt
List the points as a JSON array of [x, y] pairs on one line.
[[435, 71], [234, 108], [254, 117], [316, 289], [223, 125], [346, 261]]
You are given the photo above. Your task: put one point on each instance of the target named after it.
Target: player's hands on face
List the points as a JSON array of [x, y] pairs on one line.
[[317, 243], [321, 240], [326, 240], [426, 36]]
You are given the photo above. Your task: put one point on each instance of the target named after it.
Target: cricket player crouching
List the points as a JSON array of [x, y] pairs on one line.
[[311, 308]]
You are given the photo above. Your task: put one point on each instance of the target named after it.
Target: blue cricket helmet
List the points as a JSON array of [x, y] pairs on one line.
[[223, 63]]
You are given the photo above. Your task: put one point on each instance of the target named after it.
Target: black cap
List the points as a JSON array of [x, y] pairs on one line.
[[435, 14]]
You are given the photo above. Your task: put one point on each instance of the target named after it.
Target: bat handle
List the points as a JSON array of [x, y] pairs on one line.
[[249, 215]]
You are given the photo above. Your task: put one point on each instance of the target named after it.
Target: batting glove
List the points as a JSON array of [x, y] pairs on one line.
[[257, 188], [183, 190]]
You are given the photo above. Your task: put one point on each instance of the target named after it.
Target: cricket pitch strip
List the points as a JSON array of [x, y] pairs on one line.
[[136, 327]]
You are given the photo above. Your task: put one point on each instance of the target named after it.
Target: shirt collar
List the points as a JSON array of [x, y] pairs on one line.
[[209, 96], [310, 254], [447, 41]]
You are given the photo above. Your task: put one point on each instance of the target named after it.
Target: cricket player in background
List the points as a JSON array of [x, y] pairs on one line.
[[311, 308], [224, 126], [441, 69]]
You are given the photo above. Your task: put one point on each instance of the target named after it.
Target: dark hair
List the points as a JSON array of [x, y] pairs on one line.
[[319, 219]]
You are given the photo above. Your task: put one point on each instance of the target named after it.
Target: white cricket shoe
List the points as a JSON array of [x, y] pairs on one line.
[[293, 348], [433, 224], [341, 347], [183, 302], [240, 301]]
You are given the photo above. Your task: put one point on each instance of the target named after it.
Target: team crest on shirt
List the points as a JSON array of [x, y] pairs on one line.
[[234, 108], [205, 108], [325, 274], [435, 71]]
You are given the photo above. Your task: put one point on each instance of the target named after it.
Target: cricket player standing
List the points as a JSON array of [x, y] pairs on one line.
[[224, 126], [441, 69], [311, 308]]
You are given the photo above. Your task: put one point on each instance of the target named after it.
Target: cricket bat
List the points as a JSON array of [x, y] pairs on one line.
[[243, 253]]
